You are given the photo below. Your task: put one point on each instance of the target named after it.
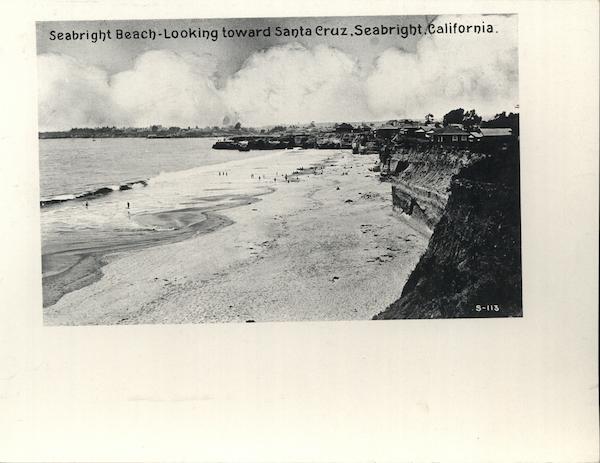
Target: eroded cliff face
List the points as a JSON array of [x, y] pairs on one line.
[[421, 180], [472, 266]]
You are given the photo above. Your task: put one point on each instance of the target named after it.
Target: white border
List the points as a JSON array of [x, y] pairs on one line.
[[445, 390]]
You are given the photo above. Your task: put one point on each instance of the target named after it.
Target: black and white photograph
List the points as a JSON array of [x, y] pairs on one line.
[[279, 169], [346, 231]]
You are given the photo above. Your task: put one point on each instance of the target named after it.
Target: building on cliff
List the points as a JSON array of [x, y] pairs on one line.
[[498, 134], [387, 131], [451, 136], [500, 138], [344, 127]]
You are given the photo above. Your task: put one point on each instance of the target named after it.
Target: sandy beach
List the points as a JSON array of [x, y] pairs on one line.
[[325, 246]]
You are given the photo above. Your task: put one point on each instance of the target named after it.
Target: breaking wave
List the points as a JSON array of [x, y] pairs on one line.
[[93, 194]]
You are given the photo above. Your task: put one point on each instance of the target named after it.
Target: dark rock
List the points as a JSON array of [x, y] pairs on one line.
[[474, 255]]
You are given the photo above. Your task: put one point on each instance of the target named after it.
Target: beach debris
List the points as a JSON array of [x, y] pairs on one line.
[[364, 228], [249, 321], [335, 278], [381, 259], [337, 187], [348, 201], [372, 195]]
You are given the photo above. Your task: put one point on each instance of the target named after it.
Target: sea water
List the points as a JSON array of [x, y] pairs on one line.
[[70, 166], [158, 174]]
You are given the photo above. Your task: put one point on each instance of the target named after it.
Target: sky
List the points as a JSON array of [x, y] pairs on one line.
[[273, 80]]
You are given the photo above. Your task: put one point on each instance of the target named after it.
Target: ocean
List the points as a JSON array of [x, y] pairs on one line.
[[104, 193], [74, 166]]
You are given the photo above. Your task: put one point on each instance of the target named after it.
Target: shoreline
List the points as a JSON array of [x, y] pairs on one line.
[[82, 266], [327, 246], [72, 276], [87, 268]]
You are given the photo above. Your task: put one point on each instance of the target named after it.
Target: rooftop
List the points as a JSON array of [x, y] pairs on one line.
[[496, 132]]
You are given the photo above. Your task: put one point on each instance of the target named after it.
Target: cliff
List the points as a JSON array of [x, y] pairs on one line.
[[420, 179], [472, 266]]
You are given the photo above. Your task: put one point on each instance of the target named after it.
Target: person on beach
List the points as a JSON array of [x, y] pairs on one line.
[[86, 204], [127, 204]]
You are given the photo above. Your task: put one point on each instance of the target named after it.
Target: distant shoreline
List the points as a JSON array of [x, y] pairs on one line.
[[62, 136]]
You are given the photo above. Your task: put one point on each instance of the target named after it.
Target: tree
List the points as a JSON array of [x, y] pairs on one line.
[[429, 118], [238, 126], [468, 119], [454, 117], [471, 119], [278, 128]]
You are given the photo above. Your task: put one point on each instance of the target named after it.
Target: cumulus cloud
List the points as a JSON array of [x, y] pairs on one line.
[[449, 71], [163, 87], [168, 88], [71, 94], [289, 83], [292, 83]]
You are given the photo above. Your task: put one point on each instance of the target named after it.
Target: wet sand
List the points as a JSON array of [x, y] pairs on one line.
[[324, 247], [73, 268], [66, 271]]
